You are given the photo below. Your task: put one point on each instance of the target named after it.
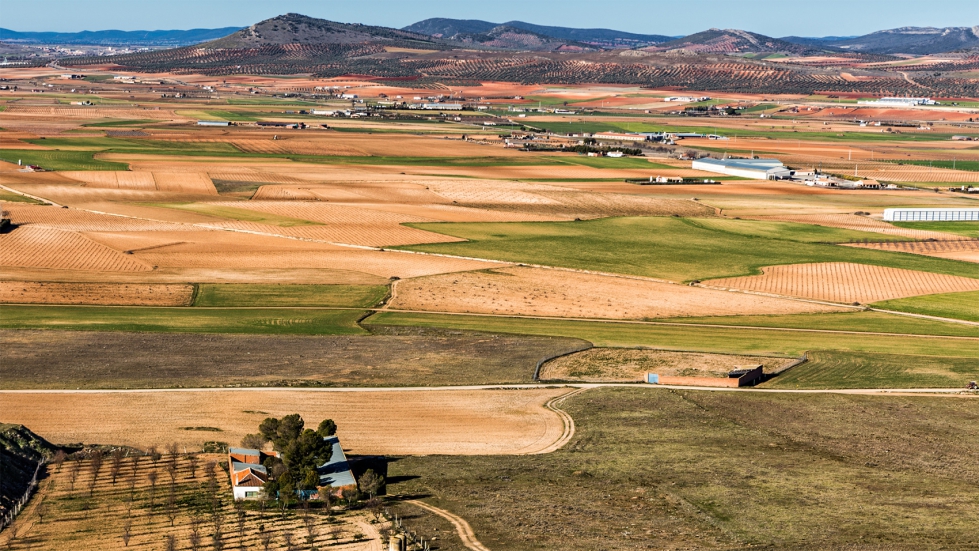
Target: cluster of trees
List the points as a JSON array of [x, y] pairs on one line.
[[301, 451]]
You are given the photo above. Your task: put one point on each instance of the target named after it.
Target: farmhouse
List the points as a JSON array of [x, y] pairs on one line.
[[442, 106], [758, 169], [247, 472], [932, 215], [335, 473]]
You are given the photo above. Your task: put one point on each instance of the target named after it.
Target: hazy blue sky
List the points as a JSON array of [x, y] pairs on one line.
[[670, 17]]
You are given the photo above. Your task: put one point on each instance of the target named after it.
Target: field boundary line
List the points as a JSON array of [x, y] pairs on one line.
[[462, 527], [545, 359], [923, 316], [569, 427], [28, 195]]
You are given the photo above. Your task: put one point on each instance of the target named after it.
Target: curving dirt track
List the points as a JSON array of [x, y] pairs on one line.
[[465, 531]]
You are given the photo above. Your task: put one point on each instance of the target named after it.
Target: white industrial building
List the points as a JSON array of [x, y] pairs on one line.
[[932, 215], [213, 123], [620, 136], [757, 169]]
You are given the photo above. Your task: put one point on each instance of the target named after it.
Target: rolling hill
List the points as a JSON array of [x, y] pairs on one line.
[[606, 38], [729, 41], [293, 28], [913, 40]]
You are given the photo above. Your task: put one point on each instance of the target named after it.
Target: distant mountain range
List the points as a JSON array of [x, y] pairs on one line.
[[905, 40], [118, 38], [606, 38], [444, 33]]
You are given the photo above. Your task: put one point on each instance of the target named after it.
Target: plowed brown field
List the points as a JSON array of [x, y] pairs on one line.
[[178, 182], [120, 294], [955, 250], [456, 422], [541, 292], [38, 247], [81, 220], [845, 282]]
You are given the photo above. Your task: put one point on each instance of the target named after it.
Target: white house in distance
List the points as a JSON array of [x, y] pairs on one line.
[[757, 169]]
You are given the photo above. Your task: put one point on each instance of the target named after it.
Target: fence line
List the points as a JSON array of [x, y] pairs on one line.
[[8, 518]]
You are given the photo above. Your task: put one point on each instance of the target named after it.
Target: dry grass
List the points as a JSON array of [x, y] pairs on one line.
[[438, 422], [631, 365], [846, 282], [541, 292]]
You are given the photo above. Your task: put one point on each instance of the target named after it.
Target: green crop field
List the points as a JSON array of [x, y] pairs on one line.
[[963, 306], [857, 320], [355, 296], [968, 229], [244, 215], [829, 369], [957, 165], [610, 162], [60, 160], [281, 321], [760, 342], [660, 469], [678, 249], [135, 145], [16, 198], [111, 123]]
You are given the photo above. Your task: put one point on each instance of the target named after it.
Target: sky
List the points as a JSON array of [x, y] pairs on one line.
[[668, 17]]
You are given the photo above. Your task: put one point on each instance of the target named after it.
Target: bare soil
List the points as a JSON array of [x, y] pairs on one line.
[[161, 294]]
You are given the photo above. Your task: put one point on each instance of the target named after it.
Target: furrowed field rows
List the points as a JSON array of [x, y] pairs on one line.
[[956, 250], [845, 282], [38, 247], [80, 220]]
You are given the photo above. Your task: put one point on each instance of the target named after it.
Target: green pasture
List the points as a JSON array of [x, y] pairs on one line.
[[855, 320], [17, 198], [677, 337], [962, 164], [967, 229], [678, 249], [60, 160], [963, 306], [111, 123], [284, 321], [232, 294], [831, 369], [611, 162]]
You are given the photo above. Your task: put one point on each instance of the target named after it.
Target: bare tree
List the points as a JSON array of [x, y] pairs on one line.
[[195, 533], [41, 510], [94, 465], [135, 466], [152, 476], [154, 454], [193, 461], [59, 459], [216, 542], [241, 517], [287, 539], [171, 469], [76, 467], [350, 495], [170, 542], [172, 503], [326, 495], [127, 532], [309, 522], [116, 465], [265, 538], [375, 506]]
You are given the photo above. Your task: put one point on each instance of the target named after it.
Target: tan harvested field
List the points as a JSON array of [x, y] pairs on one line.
[[863, 223], [84, 511], [845, 282], [159, 294], [40, 247], [83, 220], [967, 251], [543, 292], [89, 112], [452, 422], [552, 200], [177, 182], [342, 223], [631, 365]]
